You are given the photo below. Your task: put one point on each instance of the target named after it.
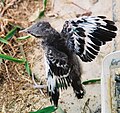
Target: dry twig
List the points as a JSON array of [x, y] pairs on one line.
[[7, 6], [86, 106]]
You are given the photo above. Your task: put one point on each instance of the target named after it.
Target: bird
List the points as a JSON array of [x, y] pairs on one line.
[[79, 40]]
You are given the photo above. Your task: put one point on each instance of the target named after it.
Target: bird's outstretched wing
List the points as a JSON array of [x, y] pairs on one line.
[[85, 35]]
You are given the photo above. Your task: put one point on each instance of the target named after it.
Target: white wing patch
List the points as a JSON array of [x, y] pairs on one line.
[[51, 81]]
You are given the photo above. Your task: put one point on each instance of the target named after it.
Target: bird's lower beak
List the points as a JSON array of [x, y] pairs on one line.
[[23, 31]]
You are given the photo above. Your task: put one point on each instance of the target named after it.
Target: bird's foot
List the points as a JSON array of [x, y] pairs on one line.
[[40, 87]]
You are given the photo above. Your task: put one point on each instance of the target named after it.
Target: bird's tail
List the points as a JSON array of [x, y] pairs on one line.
[[77, 87], [75, 76]]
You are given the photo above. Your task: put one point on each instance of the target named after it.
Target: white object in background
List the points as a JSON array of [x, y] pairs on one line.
[[111, 61]]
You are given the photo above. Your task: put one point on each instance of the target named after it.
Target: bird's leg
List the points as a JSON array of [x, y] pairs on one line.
[[40, 87]]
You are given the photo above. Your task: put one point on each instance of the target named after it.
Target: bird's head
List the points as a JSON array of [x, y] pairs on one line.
[[40, 29]]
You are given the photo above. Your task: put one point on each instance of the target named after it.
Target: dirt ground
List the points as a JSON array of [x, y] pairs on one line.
[[17, 93]]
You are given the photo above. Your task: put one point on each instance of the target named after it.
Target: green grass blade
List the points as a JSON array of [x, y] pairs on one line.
[[3, 40], [92, 81], [41, 13], [44, 7], [23, 38], [13, 25], [48, 109], [6, 57], [44, 3], [11, 33], [27, 68]]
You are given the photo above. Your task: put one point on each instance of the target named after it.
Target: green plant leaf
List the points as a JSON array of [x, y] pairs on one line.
[[11, 33], [41, 13], [13, 25], [7, 57], [3, 40], [27, 68], [44, 3], [48, 109], [92, 81], [44, 7], [23, 38]]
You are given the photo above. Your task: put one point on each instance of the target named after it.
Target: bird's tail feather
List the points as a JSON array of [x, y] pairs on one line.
[[77, 87]]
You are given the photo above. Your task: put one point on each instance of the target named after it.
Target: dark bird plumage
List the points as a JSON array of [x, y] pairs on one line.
[[79, 38]]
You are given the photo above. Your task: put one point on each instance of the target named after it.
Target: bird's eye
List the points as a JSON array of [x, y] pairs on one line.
[[39, 25]]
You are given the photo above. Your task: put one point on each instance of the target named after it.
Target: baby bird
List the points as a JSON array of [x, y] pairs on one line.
[[80, 38]]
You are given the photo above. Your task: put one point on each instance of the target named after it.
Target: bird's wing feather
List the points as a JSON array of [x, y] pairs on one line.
[[85, 35], [57, 72], [58, 62]]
